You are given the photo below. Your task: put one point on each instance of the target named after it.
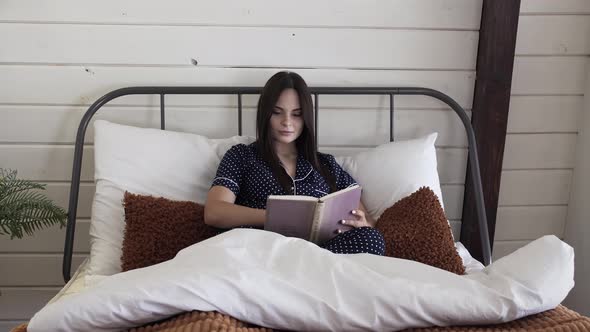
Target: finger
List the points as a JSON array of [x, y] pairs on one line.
[[358, 213], [342, 230], [353, 223]]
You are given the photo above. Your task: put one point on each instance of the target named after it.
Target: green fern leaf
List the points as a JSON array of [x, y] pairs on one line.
[[23, 208]]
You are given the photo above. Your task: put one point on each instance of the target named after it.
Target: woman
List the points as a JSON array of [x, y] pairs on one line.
[[284, 161]]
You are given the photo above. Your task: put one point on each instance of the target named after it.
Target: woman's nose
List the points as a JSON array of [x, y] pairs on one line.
[[286, 121]]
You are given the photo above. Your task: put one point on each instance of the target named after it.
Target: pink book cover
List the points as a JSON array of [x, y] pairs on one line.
[[310, 218], [290, 215], [332, 209]]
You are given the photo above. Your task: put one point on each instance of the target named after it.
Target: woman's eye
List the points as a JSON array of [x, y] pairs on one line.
[[276, 112], [296, 114]]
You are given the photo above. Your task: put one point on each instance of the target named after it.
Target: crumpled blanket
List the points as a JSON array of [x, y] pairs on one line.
[[269, 280]]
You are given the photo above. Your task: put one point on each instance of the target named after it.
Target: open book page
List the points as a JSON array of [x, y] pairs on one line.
[[310, 218], [290, 215], [331, 209], [340, 192], [292, 198]]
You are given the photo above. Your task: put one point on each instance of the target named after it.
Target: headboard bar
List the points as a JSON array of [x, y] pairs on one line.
[[240, 114], [239, 91], [391, 128], [316, 118], [162, 113]]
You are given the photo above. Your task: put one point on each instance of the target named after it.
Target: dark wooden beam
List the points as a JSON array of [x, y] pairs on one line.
[[495, 60]]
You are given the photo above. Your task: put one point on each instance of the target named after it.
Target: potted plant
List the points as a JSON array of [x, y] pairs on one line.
[[23, 209]]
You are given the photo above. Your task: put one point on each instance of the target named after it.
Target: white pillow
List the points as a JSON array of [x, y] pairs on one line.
[[181, 166], [393, 171], [178, 166]]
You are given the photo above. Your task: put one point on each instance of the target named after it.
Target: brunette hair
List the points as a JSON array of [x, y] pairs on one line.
[[305, 143]]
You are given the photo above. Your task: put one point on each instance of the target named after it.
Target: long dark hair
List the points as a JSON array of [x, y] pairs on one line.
[[305, 143]]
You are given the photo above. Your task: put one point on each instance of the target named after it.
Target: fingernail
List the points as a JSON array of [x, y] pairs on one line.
[[354, 211], [342, 222]]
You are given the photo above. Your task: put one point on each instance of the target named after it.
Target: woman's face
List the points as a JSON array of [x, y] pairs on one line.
[[286, 121]]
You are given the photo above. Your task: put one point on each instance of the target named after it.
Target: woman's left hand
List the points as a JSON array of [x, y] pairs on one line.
[[360, 221]]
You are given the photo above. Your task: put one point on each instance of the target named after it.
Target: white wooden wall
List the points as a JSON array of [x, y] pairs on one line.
[[56, 58], [548, 84], [577, 228]]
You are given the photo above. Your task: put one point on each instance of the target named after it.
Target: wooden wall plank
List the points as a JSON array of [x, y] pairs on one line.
[[59, 194], [46, 162], [452, 164], [34, 269], [562, 7], [450, 14], [535, 187], [82, 85], [531, 151], [529, 222], [456, 229], [544, 114], [549, 75], [453, 200], [21, 303], [258, 47], [503, 248], [60, 124], [553, 35], [50, 240], [54, 162], [528, 114]]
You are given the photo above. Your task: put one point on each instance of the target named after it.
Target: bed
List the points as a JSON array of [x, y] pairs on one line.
[[546, 316]]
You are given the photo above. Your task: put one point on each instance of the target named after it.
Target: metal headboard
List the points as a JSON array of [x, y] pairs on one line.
[[240, 91]]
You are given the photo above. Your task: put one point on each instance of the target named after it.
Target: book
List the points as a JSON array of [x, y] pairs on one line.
[[310, 218]]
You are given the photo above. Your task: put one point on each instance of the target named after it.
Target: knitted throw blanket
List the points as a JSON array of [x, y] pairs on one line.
[[560, 319]]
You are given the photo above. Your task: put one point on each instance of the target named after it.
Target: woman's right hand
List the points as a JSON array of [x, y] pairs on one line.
[[362, 219]]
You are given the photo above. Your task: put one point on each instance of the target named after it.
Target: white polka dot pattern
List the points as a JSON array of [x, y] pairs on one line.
[[250, 178], [356, 241]]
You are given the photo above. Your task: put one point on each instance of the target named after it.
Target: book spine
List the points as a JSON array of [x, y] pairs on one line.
[[315, 224]]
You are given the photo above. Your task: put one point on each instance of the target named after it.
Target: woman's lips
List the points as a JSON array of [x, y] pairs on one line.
[[285, 133]]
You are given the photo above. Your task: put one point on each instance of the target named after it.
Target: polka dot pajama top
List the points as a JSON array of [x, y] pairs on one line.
[[250, 178]]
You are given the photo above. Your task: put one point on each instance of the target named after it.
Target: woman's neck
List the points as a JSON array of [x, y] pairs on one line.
[[285, 151]]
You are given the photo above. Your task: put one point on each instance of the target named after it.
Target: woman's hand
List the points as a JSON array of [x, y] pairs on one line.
[[360, 220]]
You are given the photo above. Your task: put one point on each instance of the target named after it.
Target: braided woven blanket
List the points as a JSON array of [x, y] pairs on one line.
[[560, 319]]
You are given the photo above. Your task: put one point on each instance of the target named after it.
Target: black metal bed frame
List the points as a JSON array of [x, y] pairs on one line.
[[239, 91]]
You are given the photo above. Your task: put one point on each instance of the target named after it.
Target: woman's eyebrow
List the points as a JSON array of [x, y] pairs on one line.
[[282, 109]]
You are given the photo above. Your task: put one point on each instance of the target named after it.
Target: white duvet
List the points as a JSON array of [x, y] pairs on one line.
[[287, 283]]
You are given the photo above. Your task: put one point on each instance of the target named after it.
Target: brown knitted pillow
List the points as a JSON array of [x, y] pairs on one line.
[[156, 229], [416, 228]]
